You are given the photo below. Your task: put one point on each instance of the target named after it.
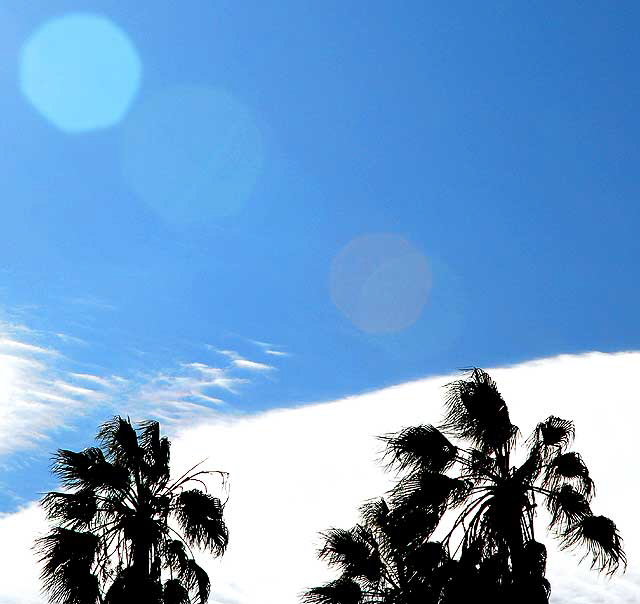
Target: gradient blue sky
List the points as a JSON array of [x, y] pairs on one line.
[[498, 141]]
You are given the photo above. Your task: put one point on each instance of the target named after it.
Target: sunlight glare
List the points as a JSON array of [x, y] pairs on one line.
[[192, 153], [80, 71], [381, 283]]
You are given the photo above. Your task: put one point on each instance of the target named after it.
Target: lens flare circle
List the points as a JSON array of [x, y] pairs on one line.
[[80, 71], [192, 153], [380, 282]]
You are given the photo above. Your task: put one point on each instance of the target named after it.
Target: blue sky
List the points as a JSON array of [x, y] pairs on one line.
[[265, 172]]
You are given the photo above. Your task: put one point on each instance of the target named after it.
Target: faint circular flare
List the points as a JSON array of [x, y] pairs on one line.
[[380, 282], [192, 153], [80, 71]]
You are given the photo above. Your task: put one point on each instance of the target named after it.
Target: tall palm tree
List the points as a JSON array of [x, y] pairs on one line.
[[123, 528], [491, 503]]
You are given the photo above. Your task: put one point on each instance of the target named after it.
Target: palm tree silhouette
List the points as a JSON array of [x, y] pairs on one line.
[[381, 561], [123, 528], [490, 504]]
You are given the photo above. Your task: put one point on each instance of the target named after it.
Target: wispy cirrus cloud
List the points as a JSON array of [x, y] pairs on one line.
[[240, 362], [46, 387]]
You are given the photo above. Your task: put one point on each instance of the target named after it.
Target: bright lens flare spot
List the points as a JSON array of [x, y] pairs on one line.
[[380, 282], [80, 71], [192, 153]]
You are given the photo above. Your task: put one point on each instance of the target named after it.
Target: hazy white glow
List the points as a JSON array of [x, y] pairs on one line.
[[380, 282], [192, 153]]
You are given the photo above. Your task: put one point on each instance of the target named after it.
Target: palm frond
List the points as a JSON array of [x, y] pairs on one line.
[[567, 506], [128, 586], [341, 591], [88, 470], [201, 518], [535, 558], [419, 447], [157, 450], [553, 432], [119, 439], [569, 468], [67, 558], [73, 510], [175, 555], [476, 411], [429, 491], [353, 551], [173, 592], [600, 536], [196, 580]]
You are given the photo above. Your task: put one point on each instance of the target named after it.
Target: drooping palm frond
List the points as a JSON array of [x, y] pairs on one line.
[[67, 558], [553, 432], [354, 552], [88, 470], [476, 411], [201, 519], [600, 536], [567, 507], [73, 510], [196, 580], [569, 468], [341, 591], [534, 555], [419, 447], [175, 555], [174, 592]]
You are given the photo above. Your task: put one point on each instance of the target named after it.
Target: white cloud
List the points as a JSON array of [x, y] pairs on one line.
[[277, 353], [295, 472], [252, 365], [241, 363]]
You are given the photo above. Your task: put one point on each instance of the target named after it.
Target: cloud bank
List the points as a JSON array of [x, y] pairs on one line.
[[298, 471]]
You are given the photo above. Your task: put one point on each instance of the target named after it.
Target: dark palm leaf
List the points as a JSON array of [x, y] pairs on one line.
[[535, 558], [341, 591], [88, 470], [354, 551], [429, 491], [602, 540], [175, 555], [419, 447], [567, 506], [68, 556], [569, 468], [200, 517], [196, 580], [156, 450], [426, 556], [476, 411], [128, 586], [120, 440], [175, 593], [554, 432], [74, 510]]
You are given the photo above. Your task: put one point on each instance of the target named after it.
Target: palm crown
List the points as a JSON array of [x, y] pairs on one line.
[[123, 529], [492, 506]]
